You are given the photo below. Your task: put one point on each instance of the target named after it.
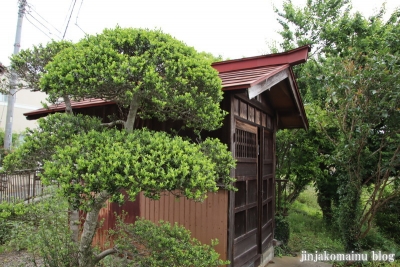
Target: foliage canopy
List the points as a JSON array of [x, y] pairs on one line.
[[152, 75], [149, 71], [353, 73], [143, 160]]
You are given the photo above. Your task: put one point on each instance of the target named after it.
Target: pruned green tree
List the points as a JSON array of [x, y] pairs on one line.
[[154, 76], [353, 74], [150, 72], [28, 65], [96, 166], [53, 131]]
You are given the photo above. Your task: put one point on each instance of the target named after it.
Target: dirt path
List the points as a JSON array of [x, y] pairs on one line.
[[15, 259]]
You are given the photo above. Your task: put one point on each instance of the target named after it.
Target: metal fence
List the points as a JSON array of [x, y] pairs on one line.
[[20, 186]]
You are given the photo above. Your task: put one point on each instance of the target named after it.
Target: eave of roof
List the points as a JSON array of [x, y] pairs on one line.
[[91, 102], [292, 57]]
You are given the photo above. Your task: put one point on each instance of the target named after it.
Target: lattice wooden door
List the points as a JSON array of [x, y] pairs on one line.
[[246, 198]]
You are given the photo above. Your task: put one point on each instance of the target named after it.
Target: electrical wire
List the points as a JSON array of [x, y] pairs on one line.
[[76, 21], [37, 27], [69, 19], [31, 8], [69, 10], [49, 31]]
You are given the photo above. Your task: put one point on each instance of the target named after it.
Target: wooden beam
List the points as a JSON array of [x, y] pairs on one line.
[[257, 89], [299, 104]]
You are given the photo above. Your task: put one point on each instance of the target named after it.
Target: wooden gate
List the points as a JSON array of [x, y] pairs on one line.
[[246, 208]]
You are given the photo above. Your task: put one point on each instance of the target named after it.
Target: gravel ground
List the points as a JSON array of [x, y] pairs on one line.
[[16, 259]]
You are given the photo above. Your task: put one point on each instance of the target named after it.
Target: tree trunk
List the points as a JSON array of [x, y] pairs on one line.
[[86, 257], [325, 203], [350, 214], [74, 224], [68, 107], [133, 108]]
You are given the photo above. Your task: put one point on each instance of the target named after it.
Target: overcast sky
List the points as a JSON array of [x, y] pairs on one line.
[[230, 28]]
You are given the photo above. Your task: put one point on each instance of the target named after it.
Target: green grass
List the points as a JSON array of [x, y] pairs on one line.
[[309, 233], [307, 229]]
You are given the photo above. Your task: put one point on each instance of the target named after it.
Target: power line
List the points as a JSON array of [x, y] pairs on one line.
[[69, 19], [28, 13], [69, 9], [79, 11], [76, 21], [41, 24], [31, 8], [37, 27]]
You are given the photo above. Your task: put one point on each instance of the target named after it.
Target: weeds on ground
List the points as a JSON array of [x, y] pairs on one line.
[[308, 232]]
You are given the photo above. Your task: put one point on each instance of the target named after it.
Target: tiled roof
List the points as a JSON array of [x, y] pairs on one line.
[[246, 78]]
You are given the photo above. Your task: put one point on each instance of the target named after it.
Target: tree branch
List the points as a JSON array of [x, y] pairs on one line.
[[113, 123], [104, 254]]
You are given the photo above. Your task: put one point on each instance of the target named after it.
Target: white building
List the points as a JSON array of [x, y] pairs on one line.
[[25, 101]]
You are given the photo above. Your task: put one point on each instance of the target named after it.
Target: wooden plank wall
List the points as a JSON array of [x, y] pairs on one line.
[[206, 220], [108, 219]]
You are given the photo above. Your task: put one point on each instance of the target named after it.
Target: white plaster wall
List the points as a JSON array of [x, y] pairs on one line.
[[25, 101]]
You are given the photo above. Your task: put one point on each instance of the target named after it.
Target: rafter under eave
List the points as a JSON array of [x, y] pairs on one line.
[[257, 89]]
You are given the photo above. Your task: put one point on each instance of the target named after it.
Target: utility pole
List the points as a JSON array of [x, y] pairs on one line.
[[13, 81]]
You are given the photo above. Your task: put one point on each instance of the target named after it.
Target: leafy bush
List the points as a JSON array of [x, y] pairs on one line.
[[160, 245], [5, 231], [43, 230], [15, 143], [375, 241], [388, 219], [282, 229], [40, 144], [8, 213]]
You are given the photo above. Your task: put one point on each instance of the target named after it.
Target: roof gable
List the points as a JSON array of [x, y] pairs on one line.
[[259, 74]]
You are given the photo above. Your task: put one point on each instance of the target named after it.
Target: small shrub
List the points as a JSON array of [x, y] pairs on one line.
[[282, 250], [5, 231], [375, 241], [282, 229], [388, 219], [148, 244], [43, 230], [8, 213]]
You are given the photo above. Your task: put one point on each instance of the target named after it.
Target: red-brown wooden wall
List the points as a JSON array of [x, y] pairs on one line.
[[206, 220]]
